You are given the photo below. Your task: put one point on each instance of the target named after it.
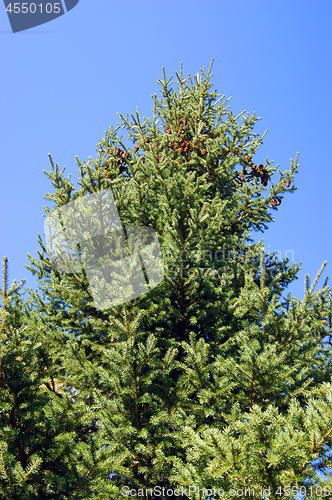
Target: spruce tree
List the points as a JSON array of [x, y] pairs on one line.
[[39, 437], [212, 379]]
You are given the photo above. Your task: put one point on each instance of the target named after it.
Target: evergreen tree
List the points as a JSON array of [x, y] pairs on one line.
[[212, 379], [42, 433]]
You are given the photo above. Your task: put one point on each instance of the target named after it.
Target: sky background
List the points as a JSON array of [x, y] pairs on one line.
[[63, 82]]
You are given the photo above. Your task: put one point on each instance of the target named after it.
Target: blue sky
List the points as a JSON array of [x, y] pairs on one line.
[[63, 83]]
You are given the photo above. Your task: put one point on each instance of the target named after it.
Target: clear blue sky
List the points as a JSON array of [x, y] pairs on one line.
[[63, 82]]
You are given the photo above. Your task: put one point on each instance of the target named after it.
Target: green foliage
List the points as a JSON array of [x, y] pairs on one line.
[[39, 449], [211, 379]]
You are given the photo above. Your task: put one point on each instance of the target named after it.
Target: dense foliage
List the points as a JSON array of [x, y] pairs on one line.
[[213, 379]]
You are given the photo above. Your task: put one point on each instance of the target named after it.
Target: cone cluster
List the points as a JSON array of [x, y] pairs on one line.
[[182, 143]]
